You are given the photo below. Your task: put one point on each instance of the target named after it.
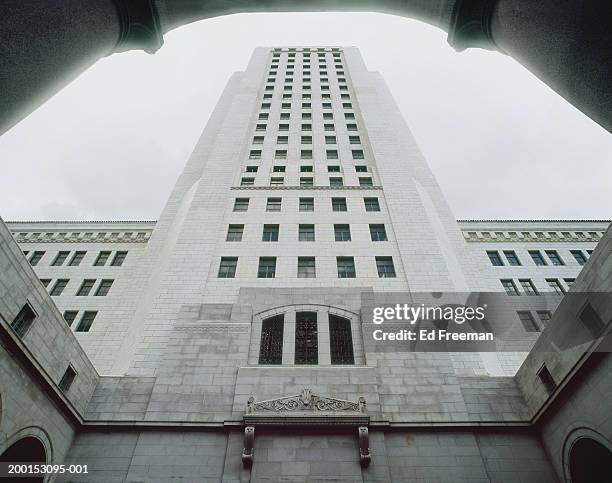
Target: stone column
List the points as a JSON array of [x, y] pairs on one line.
[[565, 43], [46, 44]]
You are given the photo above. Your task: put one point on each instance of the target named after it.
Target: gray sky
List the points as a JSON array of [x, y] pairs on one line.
[[111, 144]]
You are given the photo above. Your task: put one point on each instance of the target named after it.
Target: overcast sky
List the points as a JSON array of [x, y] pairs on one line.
[[111, 144]]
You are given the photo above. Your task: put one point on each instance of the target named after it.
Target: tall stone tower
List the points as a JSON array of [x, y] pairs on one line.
[[228, 341], [305, 181]]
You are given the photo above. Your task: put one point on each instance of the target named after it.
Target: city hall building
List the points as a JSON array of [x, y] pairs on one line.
[[227, 341]]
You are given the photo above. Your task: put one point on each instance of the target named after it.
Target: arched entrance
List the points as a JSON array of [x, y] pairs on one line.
[[590, 462], [26, 450]]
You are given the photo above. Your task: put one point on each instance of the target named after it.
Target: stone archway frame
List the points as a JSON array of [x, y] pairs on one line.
[[575, 434], [30, 432]]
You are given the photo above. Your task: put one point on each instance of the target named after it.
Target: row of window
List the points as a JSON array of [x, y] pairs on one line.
[[22, 323], [589, 318], [307, 97], [306, 340], [306, 232], [86, 321], [306, 116], [307, 153], [307, 204], [77, 257], [309, 168], [334, 181], [307, 106], [84, 290], [529, 288], [306, 267], [537, 257]]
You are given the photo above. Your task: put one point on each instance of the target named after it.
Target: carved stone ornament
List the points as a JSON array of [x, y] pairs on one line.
[[308, 409], [305, 401]]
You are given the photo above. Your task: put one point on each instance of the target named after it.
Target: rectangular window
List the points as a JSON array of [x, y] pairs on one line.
[[354, 140], [306, 233], [285, 116], [86, 321], [306, 169], [333, 169], [70, 316], [241, 204], [252, 169], [306, 267], [306, 154], [329, 127], [102, 259], [306, 127], [592, 321], [23, 321], [527, 320], [104, 288], [67, 379], [261, 127], [544, 316], [270, 233], [495, 259], [76, 259], [273, 204], [282, 139], [528, 286], [556, 286], [280, 154], [371, 204], [385, 267], [361, 169], [119, 258], [510, 287], [513, 260], [346, 267], [234, 233], [35, 258], [351, 127], [579, 256], [330, 139], [306, 116], [279, 169], [547, 380], [332, 154], [247, 181], [271, 345], [342, 232], [306, 338], [366, 181], [306, 139], [358, 154], [328, 116], [86, 287], [283, 127], [306, 204], [537, 258], [340, 340], [258, 140], [255, 154], [378, 233], [227, 267], [554, 257], [338, 204], [306, 181], [60, 259], [59, 287], [263, 116], [267, 267], [336, 182]]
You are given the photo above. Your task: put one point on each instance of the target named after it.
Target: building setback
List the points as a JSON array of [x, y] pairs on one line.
[[227, 340]]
